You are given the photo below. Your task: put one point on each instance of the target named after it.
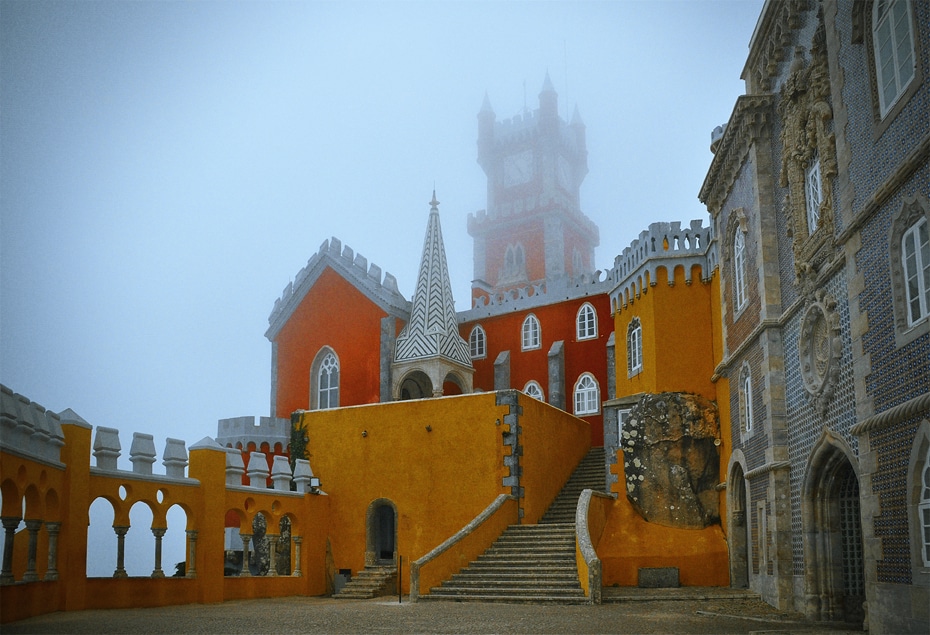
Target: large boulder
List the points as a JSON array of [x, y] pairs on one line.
[[672, 461]]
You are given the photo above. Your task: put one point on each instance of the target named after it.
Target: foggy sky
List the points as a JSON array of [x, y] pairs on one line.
[[166, 168]]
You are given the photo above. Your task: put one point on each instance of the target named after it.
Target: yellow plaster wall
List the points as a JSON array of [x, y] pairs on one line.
[[438, 479]]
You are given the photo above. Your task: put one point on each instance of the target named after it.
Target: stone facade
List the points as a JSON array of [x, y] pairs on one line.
[[829, 375]]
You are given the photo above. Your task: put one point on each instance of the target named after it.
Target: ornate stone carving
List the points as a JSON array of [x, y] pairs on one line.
[[807, 136], [820, 349]]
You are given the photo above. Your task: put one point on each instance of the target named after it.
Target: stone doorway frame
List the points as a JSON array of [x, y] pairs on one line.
[[737, 527], [373, 533]]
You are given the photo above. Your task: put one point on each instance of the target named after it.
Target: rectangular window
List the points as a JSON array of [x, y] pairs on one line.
[[814, 195], [916, 263]]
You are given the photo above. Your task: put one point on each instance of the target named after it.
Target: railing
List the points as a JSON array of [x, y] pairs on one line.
[[590, 520]]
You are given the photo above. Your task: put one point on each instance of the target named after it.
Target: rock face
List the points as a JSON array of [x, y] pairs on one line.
[[671, 460]]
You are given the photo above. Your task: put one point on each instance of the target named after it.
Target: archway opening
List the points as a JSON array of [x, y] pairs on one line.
[[737, 535], [381, 533], [416, 385]]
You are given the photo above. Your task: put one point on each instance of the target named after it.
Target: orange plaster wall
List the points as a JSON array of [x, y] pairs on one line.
[[335, 314], [628, 543], [439, 480], [557, 322]]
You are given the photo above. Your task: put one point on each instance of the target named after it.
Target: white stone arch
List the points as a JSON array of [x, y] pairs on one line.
[[318, 361], [738, 527]]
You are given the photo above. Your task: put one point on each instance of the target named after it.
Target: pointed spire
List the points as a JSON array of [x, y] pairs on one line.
[[576, 117], [486, 105], [433, 328], [547, 84]]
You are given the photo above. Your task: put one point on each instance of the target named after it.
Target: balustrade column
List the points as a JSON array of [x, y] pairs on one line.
[[51, 573], [10, 523], [32, 526], [159, 534], [246, 539], [120, 550], [192, 553], [297, 541], [272, 555]]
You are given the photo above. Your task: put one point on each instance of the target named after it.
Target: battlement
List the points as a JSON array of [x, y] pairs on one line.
[[28, 429], [542, 294], [368, 279], [667, 245], [507, 128], [240, 431]]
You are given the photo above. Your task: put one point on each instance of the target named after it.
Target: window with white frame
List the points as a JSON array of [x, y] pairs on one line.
[[813, 194], [634, 348], [530, 333], [534, 390], [893, 45], [623, 416], [477, 342], [587, 395], [923, 510], [328, 382], [745, 400], [586, 322], [739, 269], [915, 262]]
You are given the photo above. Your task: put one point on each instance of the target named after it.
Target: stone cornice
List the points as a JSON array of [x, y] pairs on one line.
[[771, 41], [750, 119], [768, 467], [894, 415]]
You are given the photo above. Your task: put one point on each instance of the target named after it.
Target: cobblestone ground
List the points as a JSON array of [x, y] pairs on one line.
[[325, 615]]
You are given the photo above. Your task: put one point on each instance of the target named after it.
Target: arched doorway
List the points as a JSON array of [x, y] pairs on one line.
[[834, 571], [416, 385], [737, 534], [381, 533]]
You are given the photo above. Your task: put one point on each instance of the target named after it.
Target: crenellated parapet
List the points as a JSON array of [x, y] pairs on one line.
[[541, 294], [666, 245], [107, 450], [367, 278], [29, 430], [238, 432]]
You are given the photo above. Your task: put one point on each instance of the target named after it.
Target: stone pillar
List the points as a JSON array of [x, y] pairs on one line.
[[159, 534], [246, 539], [120, 550], [192, 553], [272, 555], [556, 374], [51, 573], [297, 541], [502, 371], [10, 523], [33, 527]]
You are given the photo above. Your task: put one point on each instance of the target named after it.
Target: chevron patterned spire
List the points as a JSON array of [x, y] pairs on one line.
[[433, 329]]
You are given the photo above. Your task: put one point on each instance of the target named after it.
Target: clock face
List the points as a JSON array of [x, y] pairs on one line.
[[518, 168]]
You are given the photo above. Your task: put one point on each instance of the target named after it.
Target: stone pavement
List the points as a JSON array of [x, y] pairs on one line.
[[678, 611]]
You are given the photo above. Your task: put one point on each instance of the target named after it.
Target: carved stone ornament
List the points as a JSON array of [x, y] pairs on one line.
[[820, 349], [807, 136]]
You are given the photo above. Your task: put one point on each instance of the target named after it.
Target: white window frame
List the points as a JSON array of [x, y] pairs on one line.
[[739, 269], [813, 194], [478, 342], [916, 268], [329, 366], [893, 48], [634, 347], [531, 333], [586, 322], [534, 390], [587, 395], [745, 400]]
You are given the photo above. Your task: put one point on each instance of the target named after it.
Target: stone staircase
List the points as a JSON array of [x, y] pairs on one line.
[[531, 563], [370, 582]]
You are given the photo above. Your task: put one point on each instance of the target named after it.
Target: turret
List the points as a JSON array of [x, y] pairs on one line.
[[486, 119], [548, 101]]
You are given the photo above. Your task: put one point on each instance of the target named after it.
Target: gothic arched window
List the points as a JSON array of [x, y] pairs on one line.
[[530, 333], [534, 390], [634, 348], [745, 400], [739, 269], [324, 379], [587, 395], [477, 342], [586, 322]]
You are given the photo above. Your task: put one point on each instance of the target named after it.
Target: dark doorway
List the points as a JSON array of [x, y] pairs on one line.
[[384, 543]]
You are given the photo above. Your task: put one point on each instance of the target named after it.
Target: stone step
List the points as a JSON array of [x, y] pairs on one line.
[[505, 599]]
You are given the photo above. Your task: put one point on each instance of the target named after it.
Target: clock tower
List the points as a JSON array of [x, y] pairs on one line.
[[533, 229]]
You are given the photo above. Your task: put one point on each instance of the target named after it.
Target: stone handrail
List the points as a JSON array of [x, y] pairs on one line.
[[467, 534], [588, 530]]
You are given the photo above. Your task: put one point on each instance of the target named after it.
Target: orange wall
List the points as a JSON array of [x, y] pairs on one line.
[[335, 314], [557, 322]]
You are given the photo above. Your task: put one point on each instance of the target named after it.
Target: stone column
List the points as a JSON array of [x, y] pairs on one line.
[[120, 550], [246, 539], [297, 541], [10, 523], [192, 553], [272, 555], [33, 527], [51, 573], [159, 534]]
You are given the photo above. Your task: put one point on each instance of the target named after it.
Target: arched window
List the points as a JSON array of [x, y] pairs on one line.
[[586, 322], [587, 396], [745, 400], [813, 193], [477, 343], [739, 269], [324, 378], [923, 510], [530, 334], [915, 261], [534, 390], [634, 348], [893, 45], [514, 262]]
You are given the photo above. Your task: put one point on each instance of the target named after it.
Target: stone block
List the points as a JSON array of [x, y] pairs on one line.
[[658, 577]]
